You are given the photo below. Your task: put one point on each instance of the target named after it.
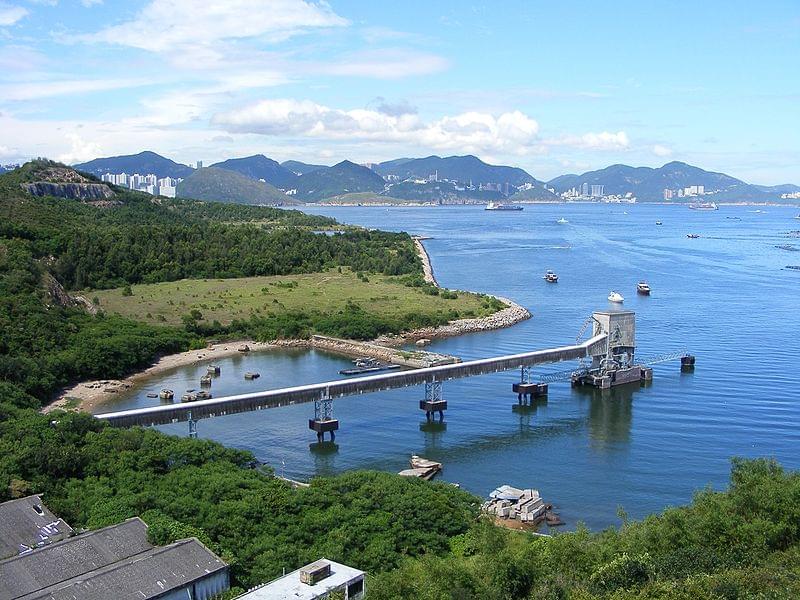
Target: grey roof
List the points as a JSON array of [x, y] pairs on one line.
[[72, 557], [148, 575], [290, 586], [27, 523]]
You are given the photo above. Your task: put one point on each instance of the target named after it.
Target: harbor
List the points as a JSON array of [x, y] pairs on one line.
[[629, 438]]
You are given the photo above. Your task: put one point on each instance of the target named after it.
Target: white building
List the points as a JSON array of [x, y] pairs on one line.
[[313, 581]]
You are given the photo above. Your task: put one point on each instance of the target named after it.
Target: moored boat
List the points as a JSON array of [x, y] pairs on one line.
[[501, 206], [203, 395], [188, 397], [213, 370], [205, 380], [616, 297], [643, 288], [252, 375], [166, 394]]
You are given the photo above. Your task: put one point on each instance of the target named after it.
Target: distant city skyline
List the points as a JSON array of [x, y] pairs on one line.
[[550, 88]]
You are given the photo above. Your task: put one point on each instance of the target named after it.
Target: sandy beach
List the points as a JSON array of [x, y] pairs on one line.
[[91, 394]]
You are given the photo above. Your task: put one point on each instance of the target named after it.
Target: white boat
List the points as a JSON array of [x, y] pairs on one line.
[[501, 206], [550, 277], [616, 297], [562, 221], [643, 288], [703, 206], [797, 216]]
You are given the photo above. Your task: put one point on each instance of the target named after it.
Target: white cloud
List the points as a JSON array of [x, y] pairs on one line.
[[386, 64], [80, 149], [662, 151], [470, 131], [90, 3], [177, 25], [10, 14], [32, 90], [594, 141]]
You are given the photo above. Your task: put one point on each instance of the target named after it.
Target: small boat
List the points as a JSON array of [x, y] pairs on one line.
[[616, 297], [659, 223], [213, 370], [692, 236], [501, 206], [166, 394], [797, 216], [643, 288], [203, 395], [188, 398], [243, 348], [152, 395], [562, 221], [252, 375], [205, 380], [550, 277], [369, 369]]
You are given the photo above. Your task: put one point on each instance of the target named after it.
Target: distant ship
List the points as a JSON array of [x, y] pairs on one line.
[[703, 206], [501, 206]]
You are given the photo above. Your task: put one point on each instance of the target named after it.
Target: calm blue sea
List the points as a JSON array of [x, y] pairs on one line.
[[726, 297]]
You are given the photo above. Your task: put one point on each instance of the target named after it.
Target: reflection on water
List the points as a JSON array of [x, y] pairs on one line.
[[582, 448]]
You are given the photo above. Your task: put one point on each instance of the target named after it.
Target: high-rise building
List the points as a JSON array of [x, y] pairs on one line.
[[199, 164], [667, 194], [597, 191], [585, 189]]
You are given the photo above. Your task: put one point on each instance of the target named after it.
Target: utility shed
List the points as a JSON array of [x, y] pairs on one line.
[[26, 523], [327, 576], [114, 562]]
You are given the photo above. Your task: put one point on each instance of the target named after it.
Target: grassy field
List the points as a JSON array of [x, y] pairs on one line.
[[227, 299]]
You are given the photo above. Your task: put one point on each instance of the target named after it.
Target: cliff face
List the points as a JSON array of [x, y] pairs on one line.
[[74, 191]]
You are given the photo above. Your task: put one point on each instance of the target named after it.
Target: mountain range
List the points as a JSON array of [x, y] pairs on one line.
[[648, 184], [432, 179]]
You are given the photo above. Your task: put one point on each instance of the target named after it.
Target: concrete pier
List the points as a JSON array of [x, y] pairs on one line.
[[321, 426]]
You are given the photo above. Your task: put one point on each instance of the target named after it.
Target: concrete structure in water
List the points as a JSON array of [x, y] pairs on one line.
[[610, 350], [615, 364]]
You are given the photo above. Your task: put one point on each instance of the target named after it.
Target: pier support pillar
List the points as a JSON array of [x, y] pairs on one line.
[[323, 420], [433, 401], [192, 426]]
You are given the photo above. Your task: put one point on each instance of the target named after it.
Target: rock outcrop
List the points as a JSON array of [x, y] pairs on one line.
[[73, 191]]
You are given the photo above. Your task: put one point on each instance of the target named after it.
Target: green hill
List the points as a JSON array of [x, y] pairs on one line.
[[301, 168], [343, 178], [221, 185], [143, 163], [260, 167]]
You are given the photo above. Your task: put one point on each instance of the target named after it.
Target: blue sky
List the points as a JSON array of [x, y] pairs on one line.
[[551, 87]]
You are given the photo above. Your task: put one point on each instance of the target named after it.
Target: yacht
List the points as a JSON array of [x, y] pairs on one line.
[[501, 206], [659, 223], [692, 236], [616, 297], [550, 277], [703, 206], [562, 221], [643, 288]]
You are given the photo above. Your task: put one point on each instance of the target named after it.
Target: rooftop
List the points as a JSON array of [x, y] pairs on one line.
[[26, 523], [290, 586]]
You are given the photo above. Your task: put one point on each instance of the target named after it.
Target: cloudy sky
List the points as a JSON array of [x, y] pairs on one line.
[[552, 87]]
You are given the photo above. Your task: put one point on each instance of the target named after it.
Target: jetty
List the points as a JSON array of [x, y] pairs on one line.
[[607, 360], [422, 468]]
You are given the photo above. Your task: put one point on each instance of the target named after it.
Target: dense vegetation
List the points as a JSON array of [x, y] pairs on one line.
[[743, 543], [45, 343], [94, 476]]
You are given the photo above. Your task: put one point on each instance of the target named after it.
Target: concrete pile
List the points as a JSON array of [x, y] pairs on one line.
[[508, 502]]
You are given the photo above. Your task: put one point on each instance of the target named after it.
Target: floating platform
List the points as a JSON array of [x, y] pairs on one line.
[[608, 379]]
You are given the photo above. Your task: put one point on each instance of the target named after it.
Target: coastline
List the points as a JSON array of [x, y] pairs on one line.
[[86, 396]]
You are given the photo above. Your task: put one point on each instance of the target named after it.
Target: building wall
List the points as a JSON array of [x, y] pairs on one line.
[[202, 589]]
